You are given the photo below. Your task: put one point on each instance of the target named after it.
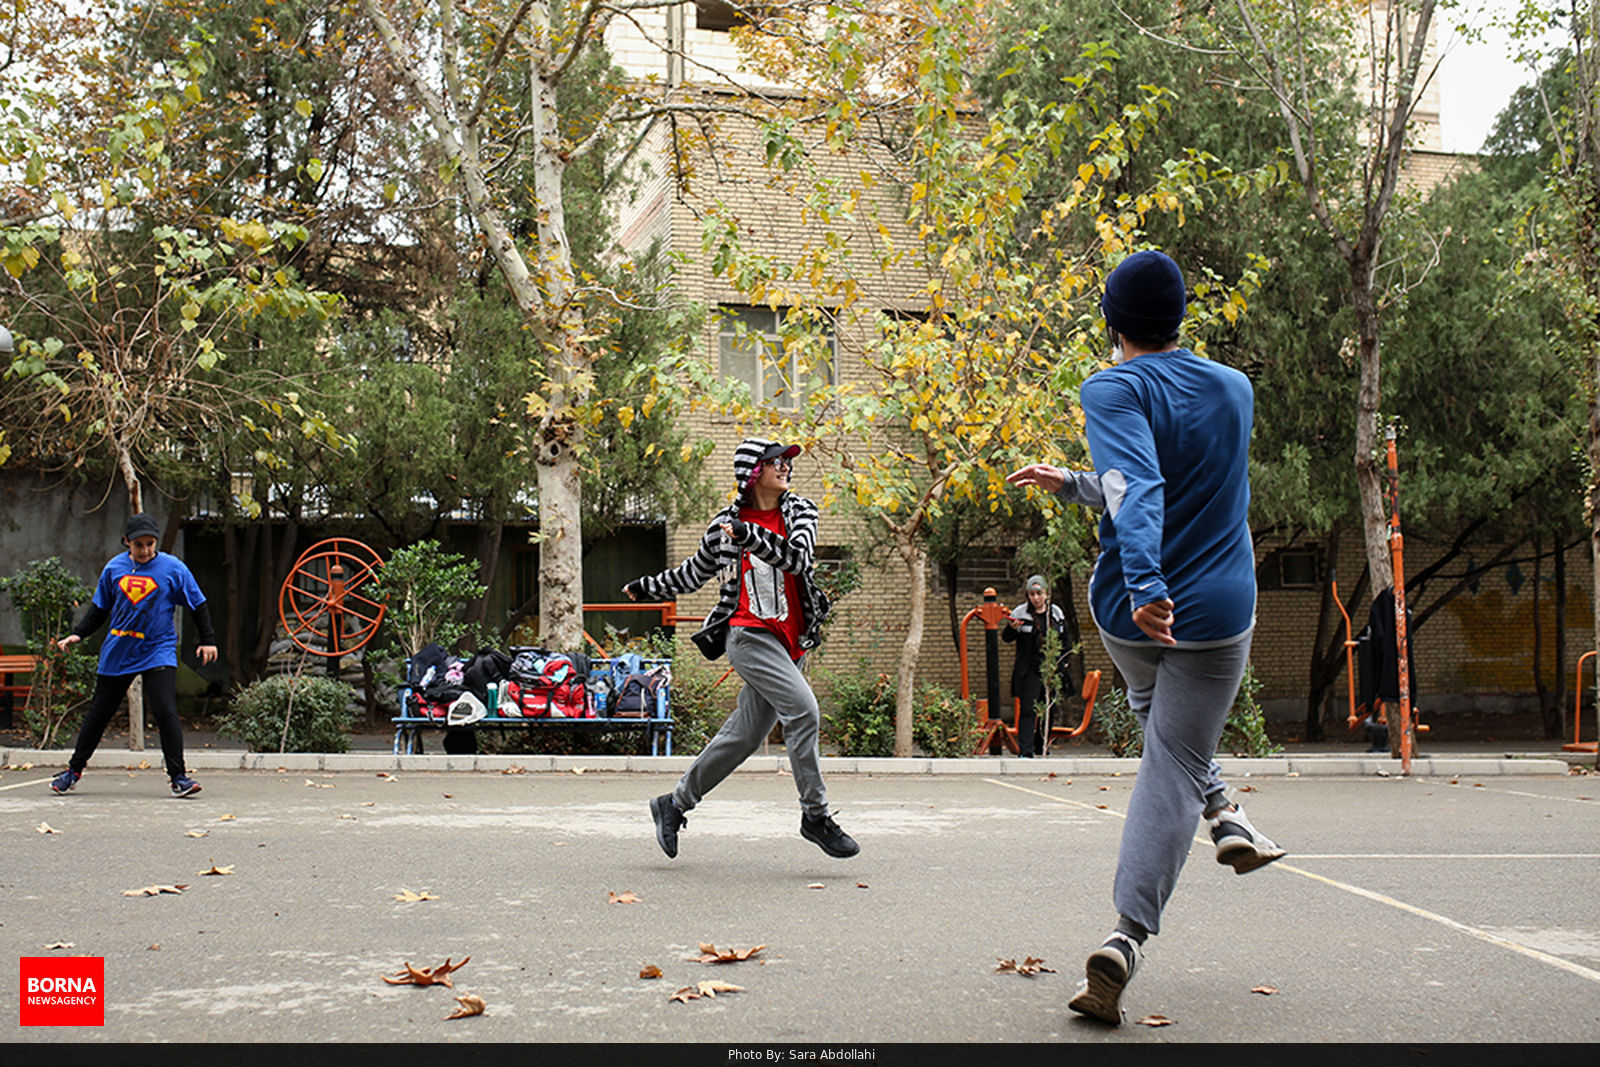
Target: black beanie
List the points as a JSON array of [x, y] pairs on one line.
[[141, 525], [1145, 297]]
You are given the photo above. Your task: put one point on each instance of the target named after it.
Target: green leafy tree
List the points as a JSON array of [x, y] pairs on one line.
[[968, 380], [424, 589]]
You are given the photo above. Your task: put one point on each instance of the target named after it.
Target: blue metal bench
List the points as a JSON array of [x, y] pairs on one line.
[[656, 726]]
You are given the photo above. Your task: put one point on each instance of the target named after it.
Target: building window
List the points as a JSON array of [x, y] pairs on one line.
[[719, 15], [1290, 568], [751, 350]]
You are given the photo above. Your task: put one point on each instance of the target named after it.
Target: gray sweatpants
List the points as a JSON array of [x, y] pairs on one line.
[[774, 691], [1181, 697]]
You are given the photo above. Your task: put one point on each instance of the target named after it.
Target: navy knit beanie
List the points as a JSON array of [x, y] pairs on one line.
[[1145, 297]]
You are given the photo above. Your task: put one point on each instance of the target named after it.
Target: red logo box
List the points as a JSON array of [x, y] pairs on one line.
[[62, 990]]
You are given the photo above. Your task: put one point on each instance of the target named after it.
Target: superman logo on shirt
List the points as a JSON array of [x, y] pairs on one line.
[[136, 586]]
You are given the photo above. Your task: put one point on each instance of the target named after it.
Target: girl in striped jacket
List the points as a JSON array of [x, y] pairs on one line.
[[768, 616]]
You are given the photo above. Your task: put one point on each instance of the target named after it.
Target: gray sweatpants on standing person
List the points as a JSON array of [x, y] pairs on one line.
[[774, 692], [1181, 697]]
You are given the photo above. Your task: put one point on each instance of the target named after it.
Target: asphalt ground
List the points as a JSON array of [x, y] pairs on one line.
[[1410, 910]]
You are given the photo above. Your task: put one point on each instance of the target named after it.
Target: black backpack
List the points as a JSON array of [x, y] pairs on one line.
[[637, 699]]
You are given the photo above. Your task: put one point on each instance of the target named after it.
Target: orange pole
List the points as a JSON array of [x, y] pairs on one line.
[[1401, 640], [1577, 711], [1349, 657]]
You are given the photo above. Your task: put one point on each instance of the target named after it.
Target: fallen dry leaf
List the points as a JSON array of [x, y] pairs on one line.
[[710, 954], [385, 776], [153, 948], [1156, 1020], [649, 970], [515, 768], [59, 944], [448, 796], [622, 898], [1030, 966], [1245, 789], [439, 975], [862, 885], [369, 803], [1264, 990], [406, 896], [1102, 807], [230, 817], [318, 785], [217, 870], [154, 890], [346, 815], [471, 1004], [197, 833], [144, 765], [707, 990], [816, 885], [46, 828]]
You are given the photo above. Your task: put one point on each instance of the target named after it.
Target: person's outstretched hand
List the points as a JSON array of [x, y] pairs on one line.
[[1043, 475]]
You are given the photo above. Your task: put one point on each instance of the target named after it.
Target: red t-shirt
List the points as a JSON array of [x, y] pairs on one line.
[[769, 598]]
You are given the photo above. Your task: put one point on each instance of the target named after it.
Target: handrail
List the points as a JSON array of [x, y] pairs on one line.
[[1577, 712], [1349, 659], [667, 609]]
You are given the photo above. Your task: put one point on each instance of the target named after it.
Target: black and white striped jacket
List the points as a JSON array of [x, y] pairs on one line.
[[719, 556]]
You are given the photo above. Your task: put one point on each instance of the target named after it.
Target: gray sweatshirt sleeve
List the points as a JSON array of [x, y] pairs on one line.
[[1082, 487]]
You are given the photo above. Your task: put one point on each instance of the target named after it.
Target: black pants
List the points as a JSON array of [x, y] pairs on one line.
[[160, 696], [1027, 689]]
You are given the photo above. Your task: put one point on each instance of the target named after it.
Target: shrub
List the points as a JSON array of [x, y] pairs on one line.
[[44, 594], [1115, 724], [319, 713], [862, 722], [943, 725], [1244, 734]]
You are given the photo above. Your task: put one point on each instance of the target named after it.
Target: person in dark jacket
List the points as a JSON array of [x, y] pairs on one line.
[[139, 592], [769, 615], [1029, 626]]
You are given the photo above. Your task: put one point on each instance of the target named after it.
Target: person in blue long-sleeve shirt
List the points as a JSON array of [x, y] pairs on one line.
[[1173, 592]]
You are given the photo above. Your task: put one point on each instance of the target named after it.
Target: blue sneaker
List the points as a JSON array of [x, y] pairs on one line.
[[184, 786], [63, 782]]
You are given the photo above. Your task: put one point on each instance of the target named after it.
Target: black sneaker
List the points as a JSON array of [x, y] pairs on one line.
[[184, 786], [1107, 973], [1240, 845], [664, 810], [822, 831]]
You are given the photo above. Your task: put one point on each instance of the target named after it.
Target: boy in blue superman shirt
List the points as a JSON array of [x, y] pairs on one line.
[[139, 592]]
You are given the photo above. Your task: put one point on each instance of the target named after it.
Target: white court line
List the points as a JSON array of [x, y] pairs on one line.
[[21, 785], [1410, 909], [1447, 855]]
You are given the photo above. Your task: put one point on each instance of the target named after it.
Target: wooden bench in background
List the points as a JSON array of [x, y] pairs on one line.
[[14, 693]]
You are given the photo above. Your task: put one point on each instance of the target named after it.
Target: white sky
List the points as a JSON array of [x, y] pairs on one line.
[[1475, 80]]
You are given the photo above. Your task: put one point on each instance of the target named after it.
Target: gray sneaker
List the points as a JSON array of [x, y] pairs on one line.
[[668, 818], [1107, 973], [1240, 845]]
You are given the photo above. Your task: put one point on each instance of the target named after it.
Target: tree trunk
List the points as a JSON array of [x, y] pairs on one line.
[[1369, 467], [490, 534], [1541, 688], [915, 555], [1556, 726], [560, 555]]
